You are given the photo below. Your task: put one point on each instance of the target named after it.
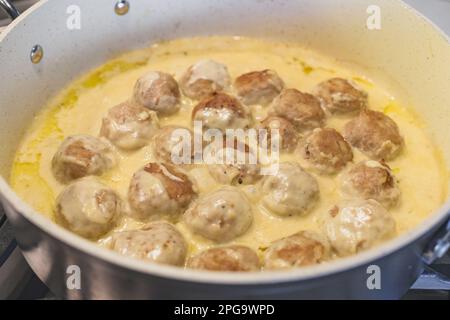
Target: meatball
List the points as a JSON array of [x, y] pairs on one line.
[[301, 249], [229, 258], [341, 96], [158, 242], [235, 164], [258, 87], [82, 155], [375, 134], [174, 141], [204, 78], [220, 216], [158, 91], [326, 150], [292, 191], [221, 111], [288, 136], [371, 180], [88, 207], [159, 190], [302, 109], [358, 225], [129, 126]]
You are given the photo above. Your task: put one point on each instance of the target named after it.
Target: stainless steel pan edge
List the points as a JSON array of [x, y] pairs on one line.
[[50, 249]]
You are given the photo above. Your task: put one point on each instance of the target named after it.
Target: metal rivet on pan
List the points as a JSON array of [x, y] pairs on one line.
[[37, 53], [122, 7]]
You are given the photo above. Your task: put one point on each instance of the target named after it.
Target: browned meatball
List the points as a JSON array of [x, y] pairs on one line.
[[371, 180], [341, 96], [326, 150], [230, 258], [302, 109], [158, 91], [129, 126], [301, 249], [288, 136], [82, 155], [173, 141], [375, 134], [204, 78], [221, 111], [258, 87], [158, 242], [159, 190], [88, 207]]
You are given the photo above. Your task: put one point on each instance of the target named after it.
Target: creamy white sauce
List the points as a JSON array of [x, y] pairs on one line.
[[80, 108]]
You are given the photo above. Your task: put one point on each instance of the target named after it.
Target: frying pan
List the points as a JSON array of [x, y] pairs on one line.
[[40, 54]]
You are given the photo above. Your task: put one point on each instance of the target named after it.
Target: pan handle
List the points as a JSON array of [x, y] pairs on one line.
[[431, 278], [9, 9], [439, 245]]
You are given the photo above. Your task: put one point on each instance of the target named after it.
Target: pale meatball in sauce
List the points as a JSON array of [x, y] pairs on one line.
[[157, 242], [233, 258], [235, 163], [174, 144], [158, 91], [222, 111], [88, 207], [82, 155], [291, 191], [204, 78], [129, 126], [357, 225], [221, 216]]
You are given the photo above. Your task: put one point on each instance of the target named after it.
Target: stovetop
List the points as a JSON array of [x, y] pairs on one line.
[[17, 280]]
